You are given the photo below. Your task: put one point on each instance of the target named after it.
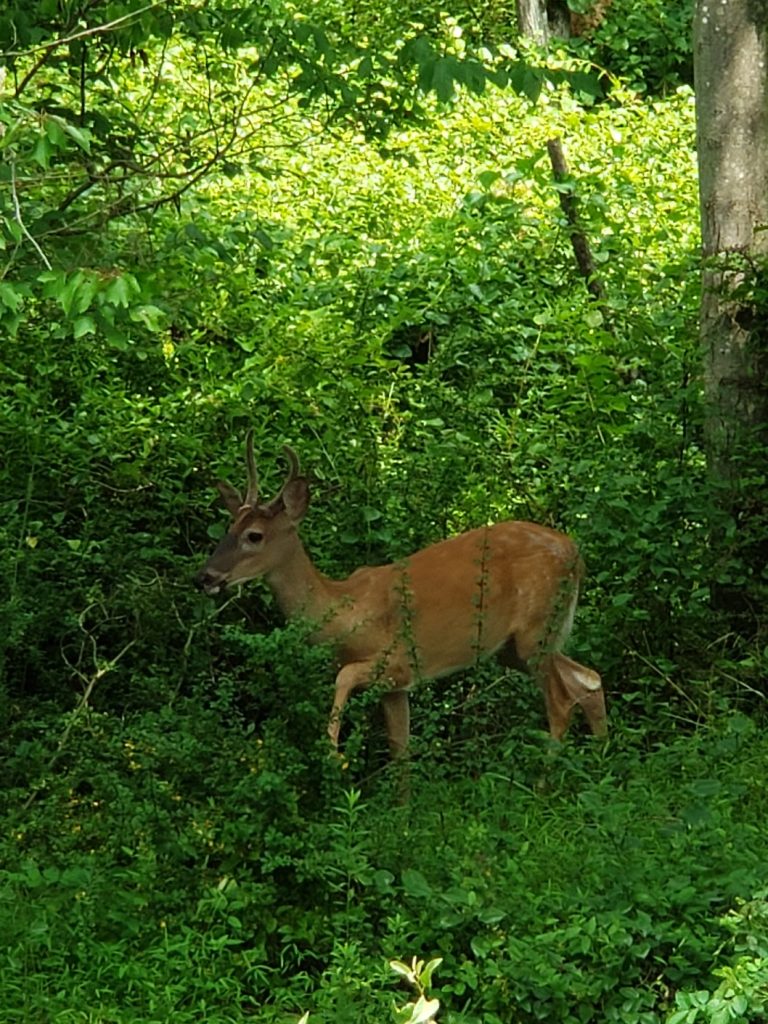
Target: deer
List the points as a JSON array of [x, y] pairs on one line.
[[507, 590]]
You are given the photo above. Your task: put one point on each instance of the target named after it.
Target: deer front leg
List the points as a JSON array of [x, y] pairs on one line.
[[397, 716], [351, 677]]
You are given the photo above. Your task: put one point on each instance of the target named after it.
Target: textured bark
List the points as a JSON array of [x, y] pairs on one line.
[[532, 20], [732, 137], [559, 18], [540, 19], [569, 206], [731, 69]]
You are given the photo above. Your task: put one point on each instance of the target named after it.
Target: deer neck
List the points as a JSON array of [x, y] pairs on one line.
[[299, 588]]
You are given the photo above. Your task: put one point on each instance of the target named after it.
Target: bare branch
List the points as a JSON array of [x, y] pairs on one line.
[[19, 219]]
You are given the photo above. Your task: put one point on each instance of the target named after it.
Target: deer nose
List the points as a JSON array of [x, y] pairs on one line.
[[209, 581]]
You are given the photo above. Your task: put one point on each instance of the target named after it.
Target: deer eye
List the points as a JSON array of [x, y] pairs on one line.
[[254, 537]]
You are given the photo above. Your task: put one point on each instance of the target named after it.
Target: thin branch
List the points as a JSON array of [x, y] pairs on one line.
[[235, 143], [101, 671], [32, 72], [18, 217]]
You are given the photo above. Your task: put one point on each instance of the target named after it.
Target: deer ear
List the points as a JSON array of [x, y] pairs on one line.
[[229, 496], [295, 498]]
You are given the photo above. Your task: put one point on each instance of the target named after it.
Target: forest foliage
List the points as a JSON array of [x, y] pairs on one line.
[[345, 233]]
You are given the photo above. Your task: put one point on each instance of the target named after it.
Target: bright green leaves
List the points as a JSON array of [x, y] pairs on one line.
[[35, 147], [74, 292], [83, 325], [119, 290], [443, 72], [10, 297], [419, 976], [50, 136], [106, 301]]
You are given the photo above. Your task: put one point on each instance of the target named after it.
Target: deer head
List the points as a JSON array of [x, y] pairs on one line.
[[262, 535]]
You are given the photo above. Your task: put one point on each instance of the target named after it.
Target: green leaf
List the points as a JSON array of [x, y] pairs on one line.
[[426, 74], [443, 78], [423, 1010], [587, 85], [119, 291], [487, 178], [68, 293], [264, 239], [482, 945], [10, 297], [117, 341], [687, 1016], [429, 970], [81, 136], [49, 276], [527, 81], [740, 1004], [55, 132], [383, 879], [75, 293], [151, 316], [415, 884], [13, 228], [473, 76], [593, 318], [83, 325], [42, 151], [232, 37], [402, 969]]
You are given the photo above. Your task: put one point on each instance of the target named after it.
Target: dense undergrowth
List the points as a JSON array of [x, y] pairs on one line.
[[178, 845], [175, 868]]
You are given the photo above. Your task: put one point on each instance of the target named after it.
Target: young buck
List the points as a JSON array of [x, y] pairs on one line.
[[508, 590]]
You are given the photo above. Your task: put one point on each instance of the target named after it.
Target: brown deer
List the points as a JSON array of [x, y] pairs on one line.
[[508, 590]]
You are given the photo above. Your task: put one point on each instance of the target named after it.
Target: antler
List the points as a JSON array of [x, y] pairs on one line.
[[252, 494], [294, 468]]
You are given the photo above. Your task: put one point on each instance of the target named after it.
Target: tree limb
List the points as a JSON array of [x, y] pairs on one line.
[[569, 205]]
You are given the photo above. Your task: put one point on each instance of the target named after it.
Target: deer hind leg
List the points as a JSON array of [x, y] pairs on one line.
[[566, 683]]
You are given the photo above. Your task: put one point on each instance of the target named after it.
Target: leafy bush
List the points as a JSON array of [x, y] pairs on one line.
[[646, 44], [743, 992], [173, 861]]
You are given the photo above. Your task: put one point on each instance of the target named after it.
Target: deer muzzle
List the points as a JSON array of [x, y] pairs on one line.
[[210, 581]]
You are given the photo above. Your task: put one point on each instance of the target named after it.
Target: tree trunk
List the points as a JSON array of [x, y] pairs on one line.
[[559, 18], [731, 77], [532, 20], [539, 19]]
